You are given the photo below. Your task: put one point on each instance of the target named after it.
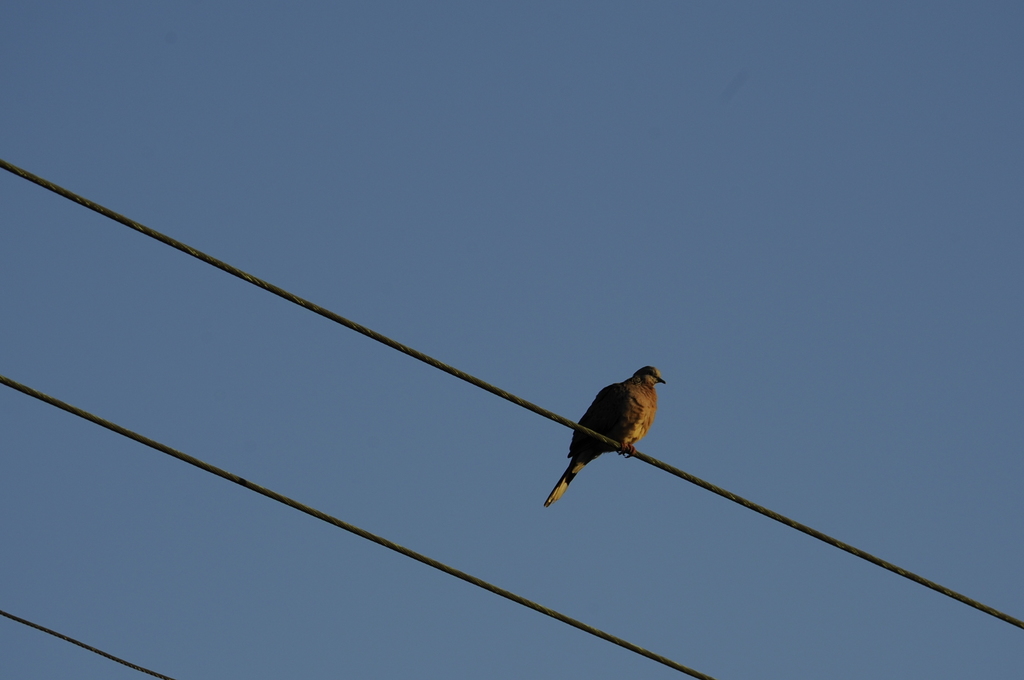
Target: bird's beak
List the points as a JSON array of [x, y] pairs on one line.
[[662, 381]]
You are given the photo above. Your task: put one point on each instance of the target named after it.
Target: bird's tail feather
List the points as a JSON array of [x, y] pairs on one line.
[[563, 483]]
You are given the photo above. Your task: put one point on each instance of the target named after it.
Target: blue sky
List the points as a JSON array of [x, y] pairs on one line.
[[809, 216]]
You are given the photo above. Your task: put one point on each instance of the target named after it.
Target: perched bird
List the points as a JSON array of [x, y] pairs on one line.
[[623, 412]]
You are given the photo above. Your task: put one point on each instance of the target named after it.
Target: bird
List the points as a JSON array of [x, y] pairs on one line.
[[622, 411]]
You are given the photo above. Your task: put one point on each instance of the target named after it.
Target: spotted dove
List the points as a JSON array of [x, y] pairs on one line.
[[623, 412]]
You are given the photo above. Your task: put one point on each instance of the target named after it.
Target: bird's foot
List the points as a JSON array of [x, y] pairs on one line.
[[627, 450]]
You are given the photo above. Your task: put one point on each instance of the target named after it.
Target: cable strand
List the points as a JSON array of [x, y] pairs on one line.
[[85, 646], [416, 354], [814, 533], [351, 528]]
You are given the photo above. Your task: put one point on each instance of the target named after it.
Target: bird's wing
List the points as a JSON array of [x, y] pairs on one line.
[[604, 414]]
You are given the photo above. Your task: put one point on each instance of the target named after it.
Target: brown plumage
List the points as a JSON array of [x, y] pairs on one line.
[[623, 412]]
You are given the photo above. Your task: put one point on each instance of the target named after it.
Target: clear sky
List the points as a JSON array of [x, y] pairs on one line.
[[809, 216]]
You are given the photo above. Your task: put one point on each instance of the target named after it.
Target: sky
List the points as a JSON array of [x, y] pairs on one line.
[[809, 216]]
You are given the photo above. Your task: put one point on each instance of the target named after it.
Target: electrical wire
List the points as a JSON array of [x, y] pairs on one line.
[[416, 354], [85, 646], [280, 498]]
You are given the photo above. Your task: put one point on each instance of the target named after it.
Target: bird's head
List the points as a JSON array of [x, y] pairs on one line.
[[649, 375]]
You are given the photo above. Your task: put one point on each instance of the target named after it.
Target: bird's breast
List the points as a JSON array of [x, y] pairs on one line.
[[638, 417]]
